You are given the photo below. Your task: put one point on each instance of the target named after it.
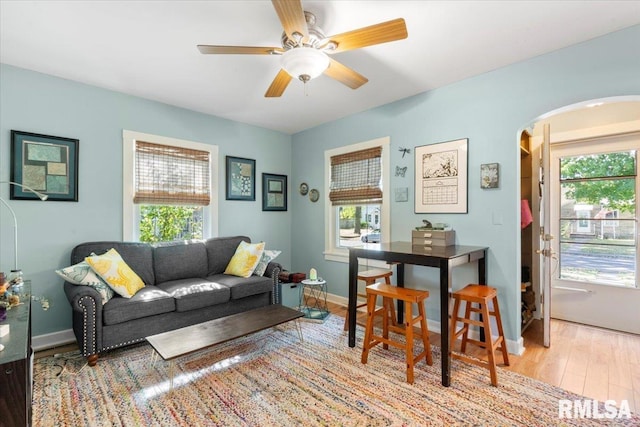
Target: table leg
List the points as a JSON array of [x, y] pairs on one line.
[[400, 284], [482, 280], [299, 329], [171, 374], [353, 295], [445, 285]]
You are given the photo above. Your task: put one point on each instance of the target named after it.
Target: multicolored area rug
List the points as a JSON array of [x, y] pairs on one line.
[[272, 379]]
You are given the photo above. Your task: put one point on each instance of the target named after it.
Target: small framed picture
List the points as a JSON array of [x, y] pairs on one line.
[[490, 175], [48, 164], [402, 194], [241, 178], [274, 192]]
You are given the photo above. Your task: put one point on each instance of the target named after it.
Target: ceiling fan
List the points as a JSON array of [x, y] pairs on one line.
[[304, 47]]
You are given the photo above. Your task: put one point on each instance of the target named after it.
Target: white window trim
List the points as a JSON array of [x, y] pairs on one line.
[[130, 212], [331, 251]]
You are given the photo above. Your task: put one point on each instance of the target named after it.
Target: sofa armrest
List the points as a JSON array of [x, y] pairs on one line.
[[86, 303], [273, 270], [75, 293], [270, 270]]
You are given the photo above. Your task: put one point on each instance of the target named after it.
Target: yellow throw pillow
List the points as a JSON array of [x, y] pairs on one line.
[[245, 260], [119, 276]]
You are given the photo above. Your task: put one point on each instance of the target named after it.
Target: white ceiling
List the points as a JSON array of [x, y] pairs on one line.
[[148, 49]]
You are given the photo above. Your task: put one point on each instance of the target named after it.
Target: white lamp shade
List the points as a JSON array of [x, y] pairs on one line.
[[304, 63]]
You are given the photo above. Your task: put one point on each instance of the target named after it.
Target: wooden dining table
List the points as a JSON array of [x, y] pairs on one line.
[[444, 258]]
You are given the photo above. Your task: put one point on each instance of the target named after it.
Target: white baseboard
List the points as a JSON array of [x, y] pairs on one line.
[[513, 347], [54, 339]]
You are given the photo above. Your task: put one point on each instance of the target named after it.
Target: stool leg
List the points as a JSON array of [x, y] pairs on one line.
[[346, 318], [465, 335], [366, 346], [385, 320], [503, 344], [409, 341], [454, 322], [392, 309], [424, 331], [488, 341]]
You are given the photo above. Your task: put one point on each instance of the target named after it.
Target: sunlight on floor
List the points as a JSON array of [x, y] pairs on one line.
[[152, 391]]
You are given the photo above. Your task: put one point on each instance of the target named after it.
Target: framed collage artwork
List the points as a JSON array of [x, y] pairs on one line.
[[241, 178], [48, 164], [274, 192]]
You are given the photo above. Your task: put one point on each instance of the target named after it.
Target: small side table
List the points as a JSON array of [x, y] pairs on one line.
[[313, 299]]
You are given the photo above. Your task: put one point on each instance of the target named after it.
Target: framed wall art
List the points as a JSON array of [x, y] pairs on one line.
[[441, 177], [490, 175], [241, 178], [48, 164], [274, 192]]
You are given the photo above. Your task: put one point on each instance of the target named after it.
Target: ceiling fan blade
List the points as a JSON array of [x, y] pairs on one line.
[[292, 17], [375, 34], [278, 85], [242, 50], [345, 75]]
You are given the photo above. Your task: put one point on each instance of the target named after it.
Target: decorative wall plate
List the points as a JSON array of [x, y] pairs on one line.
[[304, 188], [314, 195]]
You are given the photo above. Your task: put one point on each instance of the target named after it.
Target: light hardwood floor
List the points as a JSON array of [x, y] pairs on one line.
[[596, 363]]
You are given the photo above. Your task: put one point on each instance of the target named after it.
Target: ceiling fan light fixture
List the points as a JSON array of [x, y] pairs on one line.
[[304, 63]]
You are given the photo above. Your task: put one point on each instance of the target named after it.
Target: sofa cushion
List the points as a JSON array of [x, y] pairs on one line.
[[179, 260], [243, 287], [220, 250], [148, 301], [191, 294], [138, 256]]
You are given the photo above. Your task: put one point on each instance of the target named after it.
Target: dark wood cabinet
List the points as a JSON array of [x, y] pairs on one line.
[[16, 362]]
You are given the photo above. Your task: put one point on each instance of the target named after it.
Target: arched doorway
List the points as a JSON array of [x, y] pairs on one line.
[[580, 126]]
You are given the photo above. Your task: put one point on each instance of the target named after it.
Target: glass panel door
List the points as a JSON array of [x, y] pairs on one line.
[[594, 215]]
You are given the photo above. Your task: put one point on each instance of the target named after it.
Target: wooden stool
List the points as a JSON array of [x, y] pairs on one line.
[[409, 296], [480, 295], [370, 277]]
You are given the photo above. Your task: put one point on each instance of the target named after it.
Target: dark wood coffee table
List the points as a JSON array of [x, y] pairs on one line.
[[183, 341]]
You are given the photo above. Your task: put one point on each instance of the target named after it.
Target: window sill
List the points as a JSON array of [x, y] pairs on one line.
[[343, 256]]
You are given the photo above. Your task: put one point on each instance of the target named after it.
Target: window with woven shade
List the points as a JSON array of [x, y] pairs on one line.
[[168, 175], [358, 212], [356, 177]]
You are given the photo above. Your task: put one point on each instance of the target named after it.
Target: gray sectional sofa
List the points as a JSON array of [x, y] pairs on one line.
[[184, 285]]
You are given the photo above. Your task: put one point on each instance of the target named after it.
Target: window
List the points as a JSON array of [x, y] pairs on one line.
[[358, 210], [597, 217], [169, 190]]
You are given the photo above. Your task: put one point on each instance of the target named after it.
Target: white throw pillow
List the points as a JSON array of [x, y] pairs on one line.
[[267, 257], [81, 274]]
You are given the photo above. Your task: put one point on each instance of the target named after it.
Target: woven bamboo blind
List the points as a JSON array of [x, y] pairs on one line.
[[356, 177], [170, 175]]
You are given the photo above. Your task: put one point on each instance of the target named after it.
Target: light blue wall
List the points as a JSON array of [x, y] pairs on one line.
[[39, 103], [489, 110]]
